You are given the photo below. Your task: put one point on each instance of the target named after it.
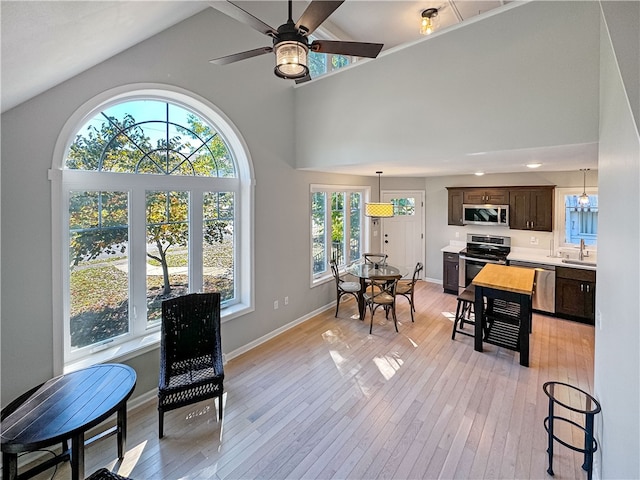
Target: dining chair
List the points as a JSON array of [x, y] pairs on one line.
[[407, 287], [343, 287], [191, 368], [375, 258], [381, 292]]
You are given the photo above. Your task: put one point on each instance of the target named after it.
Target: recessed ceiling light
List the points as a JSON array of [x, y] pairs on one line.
[[479, 174], [533, 165]]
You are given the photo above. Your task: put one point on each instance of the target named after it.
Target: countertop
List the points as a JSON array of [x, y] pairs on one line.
[[540, 257], [509, 279], [532, 255]]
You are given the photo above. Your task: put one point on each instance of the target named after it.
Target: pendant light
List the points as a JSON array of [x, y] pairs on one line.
[[583, 200], [378, 209]]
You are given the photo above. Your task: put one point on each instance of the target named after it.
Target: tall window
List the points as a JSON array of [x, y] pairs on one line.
[[336, 227], [151, 190], [322, 63]]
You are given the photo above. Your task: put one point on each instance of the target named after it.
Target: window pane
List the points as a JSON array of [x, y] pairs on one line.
[[319, 249], [150, 136], [98, 279], [167, 249], [337, 227], [404, 206], [355, 206], [217, 247], [581, 222]]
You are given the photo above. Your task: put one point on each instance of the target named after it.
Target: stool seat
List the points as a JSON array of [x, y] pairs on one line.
[[464, 312]]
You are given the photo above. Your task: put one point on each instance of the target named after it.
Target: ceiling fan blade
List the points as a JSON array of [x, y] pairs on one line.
[[356, 49], [316, 13], [238, 13], [303, 79], [241, 56]]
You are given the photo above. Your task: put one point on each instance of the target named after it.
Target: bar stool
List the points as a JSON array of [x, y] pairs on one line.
[[464, 312]]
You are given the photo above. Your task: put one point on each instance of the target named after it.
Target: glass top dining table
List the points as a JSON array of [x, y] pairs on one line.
[[365, 271]]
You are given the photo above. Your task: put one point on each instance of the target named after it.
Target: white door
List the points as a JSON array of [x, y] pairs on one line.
[[403, 234]]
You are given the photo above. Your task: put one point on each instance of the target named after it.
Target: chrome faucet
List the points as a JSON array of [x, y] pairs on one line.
[[581, 257]]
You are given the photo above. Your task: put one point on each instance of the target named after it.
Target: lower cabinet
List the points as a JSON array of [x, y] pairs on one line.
[[575, 294], [450, 273]]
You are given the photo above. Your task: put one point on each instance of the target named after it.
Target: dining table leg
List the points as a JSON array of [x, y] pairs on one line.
[[77, 456], [9, 465], [363, 286]]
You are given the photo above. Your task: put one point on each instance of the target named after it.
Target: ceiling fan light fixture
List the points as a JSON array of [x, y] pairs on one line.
[[427, 23], [291, 59]]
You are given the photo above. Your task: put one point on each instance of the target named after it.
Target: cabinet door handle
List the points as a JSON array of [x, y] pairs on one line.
[[582, 287], [527, 223], [456, 267], [587, 288], [531, 223]]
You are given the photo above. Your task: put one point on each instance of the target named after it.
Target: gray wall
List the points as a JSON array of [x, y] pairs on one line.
[[617, 358], [257, 102]]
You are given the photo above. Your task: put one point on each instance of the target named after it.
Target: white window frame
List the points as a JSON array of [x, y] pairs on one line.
[[64, 180], [559, 219], [365, 191]]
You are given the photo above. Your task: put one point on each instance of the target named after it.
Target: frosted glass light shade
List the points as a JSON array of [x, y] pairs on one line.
[[378, 210], [291, 59]]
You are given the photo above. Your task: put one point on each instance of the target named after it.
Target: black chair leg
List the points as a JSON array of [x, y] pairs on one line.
[[160, 423], [220, 408]]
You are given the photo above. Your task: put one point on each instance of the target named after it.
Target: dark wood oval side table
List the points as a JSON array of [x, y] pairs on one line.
[[64, 408]]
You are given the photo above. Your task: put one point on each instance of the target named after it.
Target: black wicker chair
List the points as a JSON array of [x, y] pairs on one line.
[[191, 367]]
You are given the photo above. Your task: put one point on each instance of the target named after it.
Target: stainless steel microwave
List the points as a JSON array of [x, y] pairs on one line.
[[497, 215]]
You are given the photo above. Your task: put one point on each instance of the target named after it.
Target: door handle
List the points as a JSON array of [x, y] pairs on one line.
[[582, 287], [587, 288]]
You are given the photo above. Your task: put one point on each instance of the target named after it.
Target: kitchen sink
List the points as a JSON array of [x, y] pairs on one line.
[[579, 262]]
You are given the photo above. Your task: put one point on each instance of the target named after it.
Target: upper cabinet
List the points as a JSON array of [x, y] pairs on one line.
[[455, 206], [481, 196], [530, 208]]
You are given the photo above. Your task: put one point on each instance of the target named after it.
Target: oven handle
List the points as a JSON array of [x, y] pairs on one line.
[[482, 260]]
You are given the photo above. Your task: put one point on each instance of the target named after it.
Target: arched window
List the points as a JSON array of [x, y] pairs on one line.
[[154, 198]]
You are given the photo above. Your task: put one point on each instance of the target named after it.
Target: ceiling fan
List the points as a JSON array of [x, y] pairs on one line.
[[290, 40]]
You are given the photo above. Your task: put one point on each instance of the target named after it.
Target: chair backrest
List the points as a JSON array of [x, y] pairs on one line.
[[416, 272], [375, 258], [190, 327], [334, 270], [381, 286]]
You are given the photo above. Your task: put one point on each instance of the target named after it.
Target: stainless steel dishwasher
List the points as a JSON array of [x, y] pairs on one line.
[[544, 289]]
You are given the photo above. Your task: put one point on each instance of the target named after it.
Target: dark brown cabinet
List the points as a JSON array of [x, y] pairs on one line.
[[531, 208], [481, 196], [575, 294], [454, 216], [450, 273]]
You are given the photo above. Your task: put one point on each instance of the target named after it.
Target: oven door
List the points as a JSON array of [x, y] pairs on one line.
[[468, 269]]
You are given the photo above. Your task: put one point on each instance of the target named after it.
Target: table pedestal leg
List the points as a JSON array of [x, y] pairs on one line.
[[122, 431], [77, 457], [9, 466]]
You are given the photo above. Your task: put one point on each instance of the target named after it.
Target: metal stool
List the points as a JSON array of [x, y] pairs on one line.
[[464, 312]]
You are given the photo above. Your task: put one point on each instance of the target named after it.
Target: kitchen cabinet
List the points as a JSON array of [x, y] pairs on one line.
[[454, 216], [575, 294], [481, 196], [531, 208], [450, 272]]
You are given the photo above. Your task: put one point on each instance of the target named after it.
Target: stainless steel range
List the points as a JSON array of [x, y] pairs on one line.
[[481, 249]]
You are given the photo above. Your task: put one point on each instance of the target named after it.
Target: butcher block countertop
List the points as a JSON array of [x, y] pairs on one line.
[[510, 279]]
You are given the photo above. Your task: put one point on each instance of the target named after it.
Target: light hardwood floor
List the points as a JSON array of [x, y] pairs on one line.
[[327, 400]]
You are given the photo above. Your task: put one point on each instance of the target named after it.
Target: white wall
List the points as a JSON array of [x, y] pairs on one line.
[[524, 78], [617, 358]]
